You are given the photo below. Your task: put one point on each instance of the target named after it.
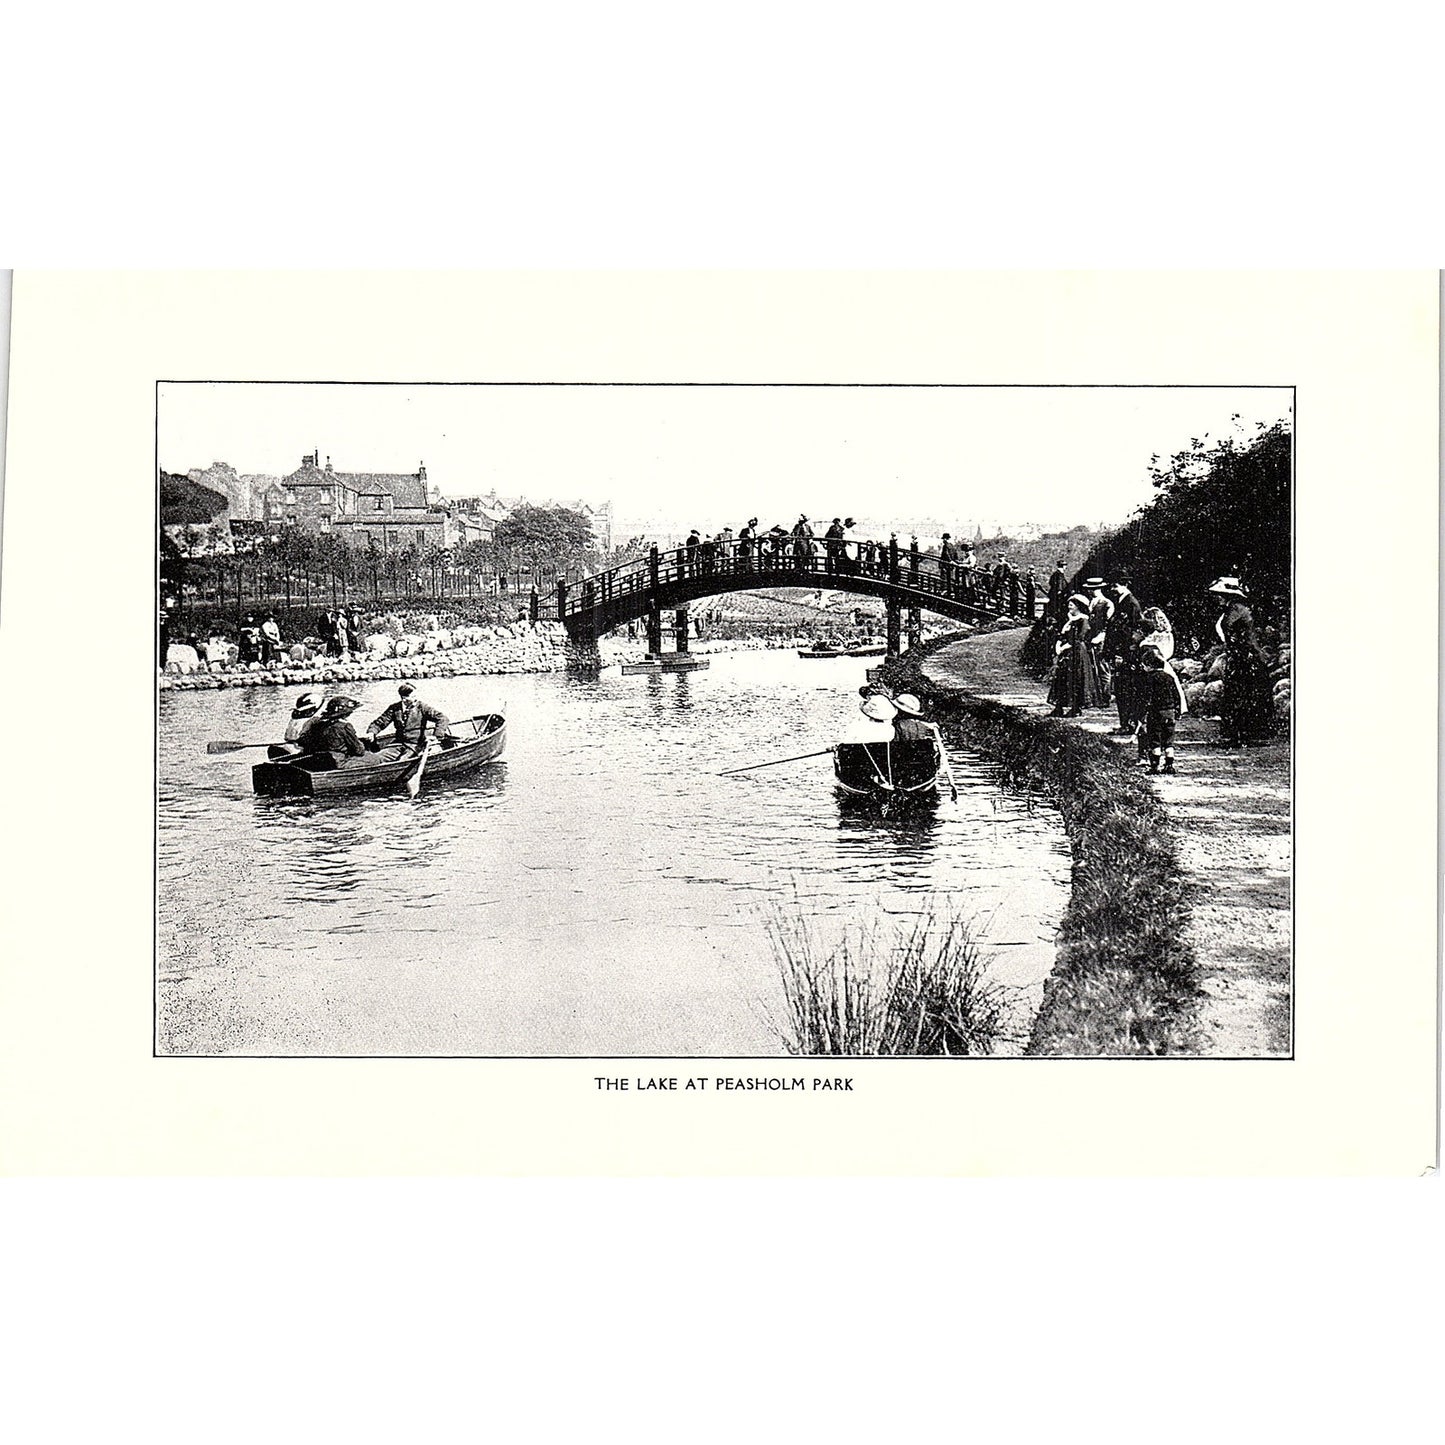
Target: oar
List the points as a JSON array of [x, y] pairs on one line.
[[230, 747], [751, 767], [413, 782]]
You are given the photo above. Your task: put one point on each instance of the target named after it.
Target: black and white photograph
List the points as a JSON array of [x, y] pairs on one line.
[[731, 721]]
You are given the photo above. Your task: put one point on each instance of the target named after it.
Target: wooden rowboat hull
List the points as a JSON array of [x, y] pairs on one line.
[[907, 768], [812, 652], [318, 776]]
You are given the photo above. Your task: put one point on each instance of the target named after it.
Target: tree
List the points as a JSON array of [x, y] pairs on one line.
[[1222, 508], [557, 534]]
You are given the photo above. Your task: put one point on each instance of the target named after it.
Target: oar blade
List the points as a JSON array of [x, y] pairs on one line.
[[231, 747]]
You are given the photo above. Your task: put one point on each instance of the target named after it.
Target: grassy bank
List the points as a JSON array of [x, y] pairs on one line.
[[1125, 981]]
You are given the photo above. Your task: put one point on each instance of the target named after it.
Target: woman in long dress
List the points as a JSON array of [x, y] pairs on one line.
[[1075, 684]]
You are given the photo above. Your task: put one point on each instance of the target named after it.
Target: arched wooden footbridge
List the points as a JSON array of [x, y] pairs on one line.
[[907, 580]]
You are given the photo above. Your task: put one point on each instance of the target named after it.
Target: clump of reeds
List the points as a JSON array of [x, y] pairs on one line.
[[922, 990]]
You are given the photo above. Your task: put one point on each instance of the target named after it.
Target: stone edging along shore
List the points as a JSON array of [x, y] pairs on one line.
[[1125, 982]]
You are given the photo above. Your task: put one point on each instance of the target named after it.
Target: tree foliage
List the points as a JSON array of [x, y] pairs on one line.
[[1223, 508], [554, 532]]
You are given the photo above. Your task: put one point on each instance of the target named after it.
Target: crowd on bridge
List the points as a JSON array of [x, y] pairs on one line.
[[952, 570], [1109, 647]]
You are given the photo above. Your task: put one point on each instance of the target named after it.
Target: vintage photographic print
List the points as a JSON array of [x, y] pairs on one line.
[[718, 720]]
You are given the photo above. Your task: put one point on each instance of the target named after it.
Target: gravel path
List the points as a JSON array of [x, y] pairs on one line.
[[1231, 811]]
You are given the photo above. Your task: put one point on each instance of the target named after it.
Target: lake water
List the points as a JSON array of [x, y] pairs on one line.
[[602, 891]]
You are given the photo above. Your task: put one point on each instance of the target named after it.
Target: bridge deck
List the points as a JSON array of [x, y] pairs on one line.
[[904, 578]]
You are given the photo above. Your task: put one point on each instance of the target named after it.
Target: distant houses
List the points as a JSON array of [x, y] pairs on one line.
[[217, 509]]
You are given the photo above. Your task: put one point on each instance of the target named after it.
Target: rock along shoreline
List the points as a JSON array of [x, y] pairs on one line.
[[460, 652]]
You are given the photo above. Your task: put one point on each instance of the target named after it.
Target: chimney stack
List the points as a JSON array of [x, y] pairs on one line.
[[421, 471]]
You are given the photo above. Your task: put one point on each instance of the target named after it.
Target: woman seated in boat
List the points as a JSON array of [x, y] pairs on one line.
[[875, 723], [332, 735], [303, 716]]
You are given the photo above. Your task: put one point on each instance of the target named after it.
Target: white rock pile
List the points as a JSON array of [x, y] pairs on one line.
[[458, 652]]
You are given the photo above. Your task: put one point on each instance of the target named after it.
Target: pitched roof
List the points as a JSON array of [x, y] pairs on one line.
[[407, 488]]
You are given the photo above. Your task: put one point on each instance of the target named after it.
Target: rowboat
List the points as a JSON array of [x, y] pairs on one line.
[[668, 662], [868, 647], [904, 767], [319, 775], [820, 649]]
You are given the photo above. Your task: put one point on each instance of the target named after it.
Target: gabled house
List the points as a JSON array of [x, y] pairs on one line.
[[376, 511]]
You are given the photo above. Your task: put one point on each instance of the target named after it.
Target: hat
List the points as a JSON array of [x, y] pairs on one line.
[[308, 699], [878, 708], [907, 704], [1080, 601], [341, 703], [947, 535], [1227, 587], [406, 689], [847, 521], [1151, 654]]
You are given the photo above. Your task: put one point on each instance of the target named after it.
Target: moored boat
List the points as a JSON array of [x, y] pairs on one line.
[[869, 647], [907, 767], [319, 775], [821, 649]]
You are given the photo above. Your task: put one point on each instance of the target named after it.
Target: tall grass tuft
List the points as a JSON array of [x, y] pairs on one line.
[[922, 990]]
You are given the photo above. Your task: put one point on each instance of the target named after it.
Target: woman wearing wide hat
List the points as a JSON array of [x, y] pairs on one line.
[[1075, 683], [1246, 712]]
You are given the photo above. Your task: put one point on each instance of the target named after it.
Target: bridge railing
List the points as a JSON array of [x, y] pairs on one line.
[[787, 561]]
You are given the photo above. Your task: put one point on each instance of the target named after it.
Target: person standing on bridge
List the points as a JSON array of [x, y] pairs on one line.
[[747, 542], [833, 544], [692, 544], [849, 549], [802, 545], [968, 565], [947, 563]]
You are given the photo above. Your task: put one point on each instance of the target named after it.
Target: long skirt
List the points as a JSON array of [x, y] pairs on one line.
[[1246, 710], [1075, 684]]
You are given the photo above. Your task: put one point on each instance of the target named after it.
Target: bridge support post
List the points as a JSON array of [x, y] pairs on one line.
[[654, 626], [679, 630], [895, 629], [581, 654], [915, 628]]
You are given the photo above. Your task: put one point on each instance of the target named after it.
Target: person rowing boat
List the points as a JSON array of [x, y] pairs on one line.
[[410, 718], [911, 726]]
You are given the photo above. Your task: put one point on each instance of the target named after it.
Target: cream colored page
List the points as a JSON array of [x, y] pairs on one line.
[[79, 1088]]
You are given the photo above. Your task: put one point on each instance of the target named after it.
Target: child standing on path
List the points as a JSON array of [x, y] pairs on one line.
[[1163, 700]]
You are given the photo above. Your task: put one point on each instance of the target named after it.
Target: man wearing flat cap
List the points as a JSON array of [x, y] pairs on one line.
[[410, 718]]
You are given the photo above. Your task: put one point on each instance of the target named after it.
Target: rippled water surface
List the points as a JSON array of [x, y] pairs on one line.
[[601, 891]]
